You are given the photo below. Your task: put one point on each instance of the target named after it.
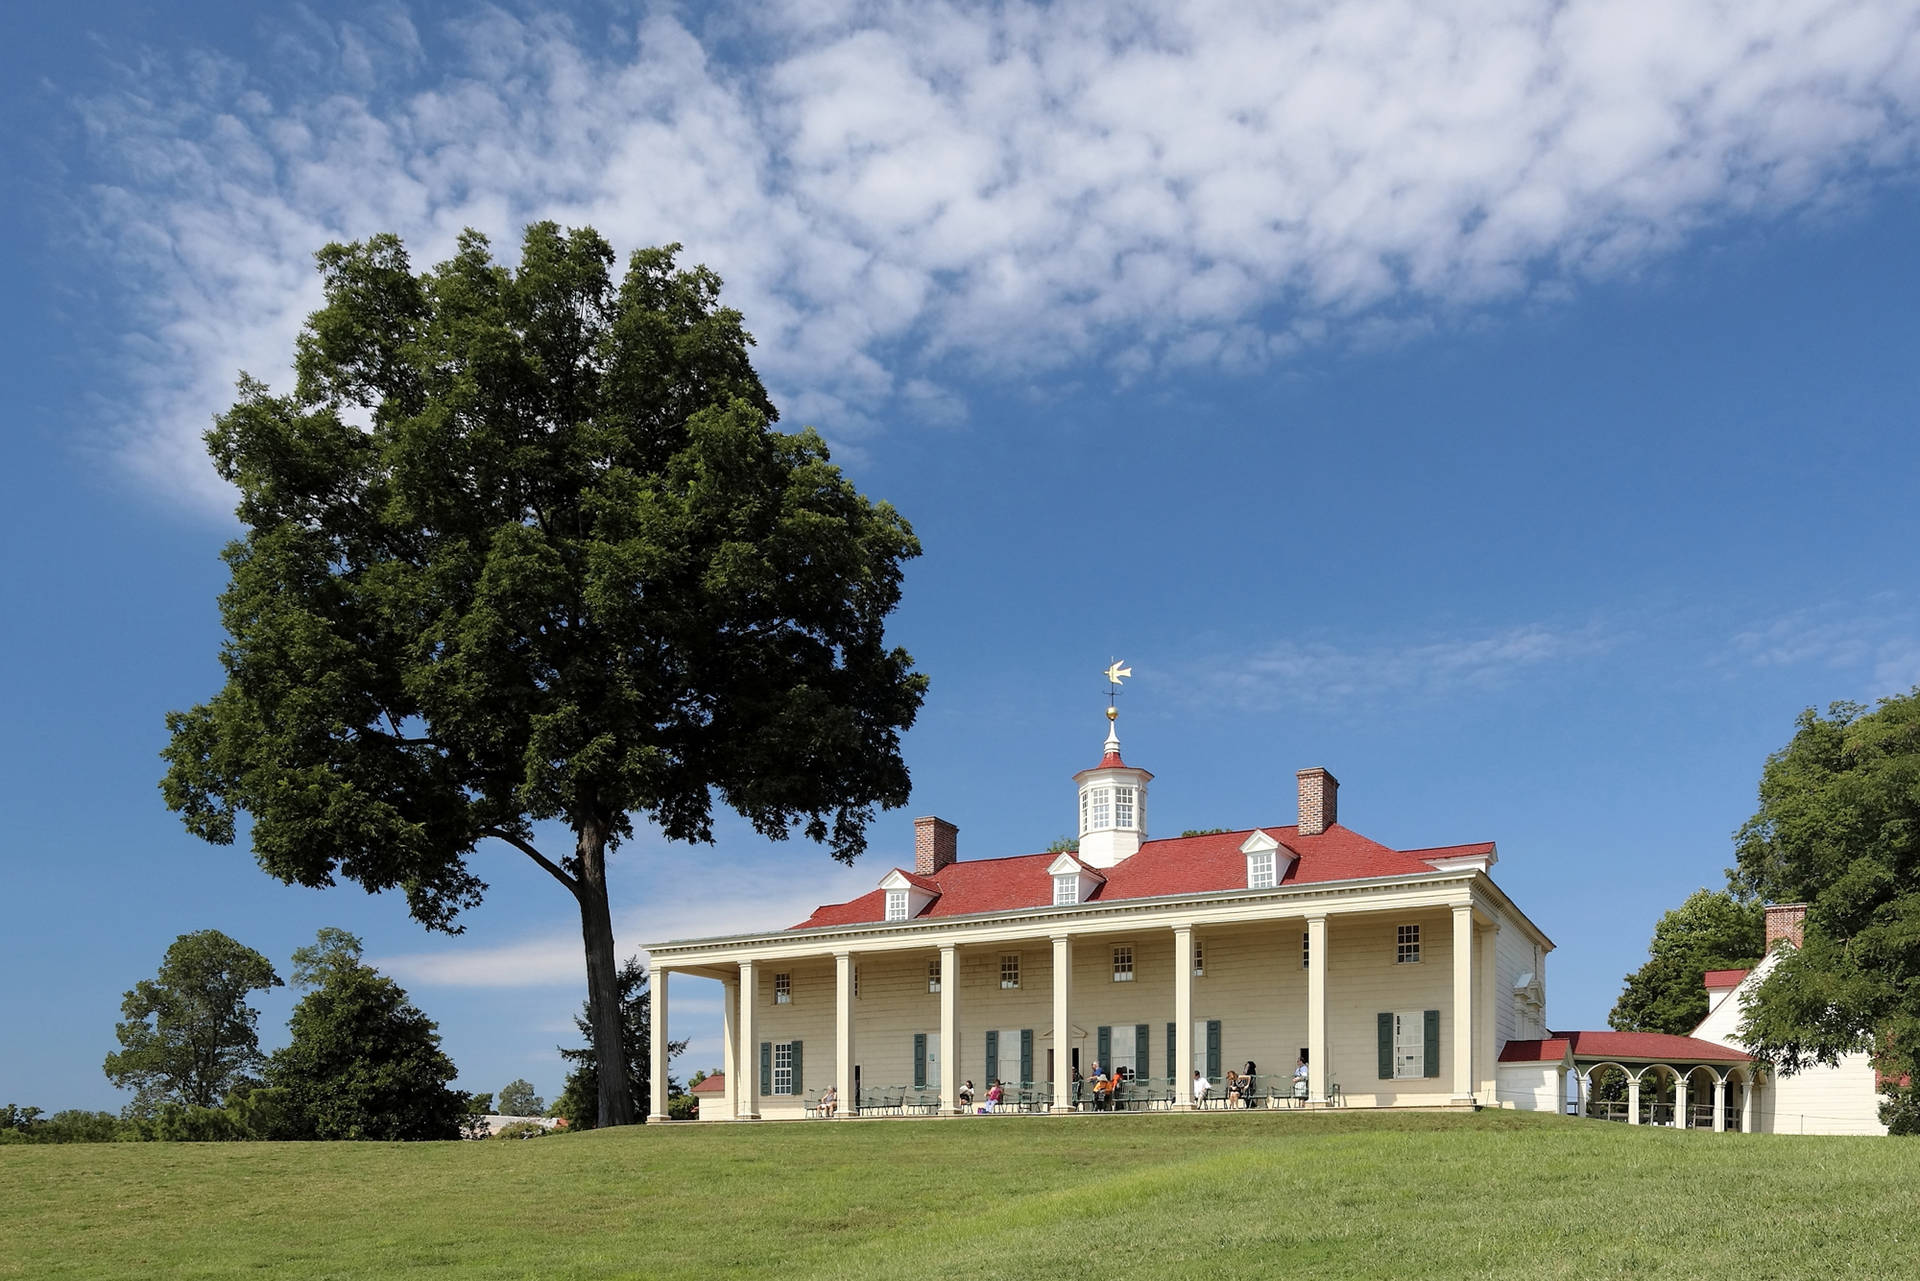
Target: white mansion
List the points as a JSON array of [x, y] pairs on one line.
[[1399, 975]]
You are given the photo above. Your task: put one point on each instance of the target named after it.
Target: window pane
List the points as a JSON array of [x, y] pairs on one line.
[[1010, 970]]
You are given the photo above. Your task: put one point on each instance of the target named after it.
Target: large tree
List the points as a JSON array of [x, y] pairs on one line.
[[363, 1061], [1710, 931], [521, 546], [636, 1041], [1838, 828], [188, 1035]]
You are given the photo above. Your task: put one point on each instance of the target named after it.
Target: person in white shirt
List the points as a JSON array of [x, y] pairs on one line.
[[1201, 1086]]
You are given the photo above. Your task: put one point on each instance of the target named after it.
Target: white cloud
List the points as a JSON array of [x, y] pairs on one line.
[[680, 905], [900, 192], [1880, 637], [1323, 674]]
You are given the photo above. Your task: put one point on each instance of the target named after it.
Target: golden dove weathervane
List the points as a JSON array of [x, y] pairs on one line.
[[1115, 674]]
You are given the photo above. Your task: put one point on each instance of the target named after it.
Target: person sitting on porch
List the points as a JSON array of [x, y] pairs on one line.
[[1232, 1088], [829, 1102], [1201, 1086], [994, 1095], [1102, 1091], [1300, 1079], [966, 1095]]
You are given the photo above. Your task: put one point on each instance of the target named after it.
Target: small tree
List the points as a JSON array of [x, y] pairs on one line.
[[363, 1063], [1710, 931], [566, 573], [636, 1022], [518, 1099], [188, 1034]]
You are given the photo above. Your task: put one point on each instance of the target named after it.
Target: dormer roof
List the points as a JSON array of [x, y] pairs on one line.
[[1068, 863]]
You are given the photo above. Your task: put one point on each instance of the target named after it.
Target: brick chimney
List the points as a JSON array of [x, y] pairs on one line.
[[1319, 800], [936, 843], [1784, 922]]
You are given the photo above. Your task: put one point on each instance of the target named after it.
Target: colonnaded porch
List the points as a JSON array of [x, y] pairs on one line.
[[1717, 1096], [897, 1019]]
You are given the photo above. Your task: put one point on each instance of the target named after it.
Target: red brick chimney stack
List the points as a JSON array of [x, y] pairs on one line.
[[1784, 921], [1319, 800], [936, 843]]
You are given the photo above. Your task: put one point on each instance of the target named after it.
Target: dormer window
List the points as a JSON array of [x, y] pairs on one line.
[[1066, 891], [1267, 861], [896, 905]]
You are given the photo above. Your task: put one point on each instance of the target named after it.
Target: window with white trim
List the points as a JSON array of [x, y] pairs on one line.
[[896, 905], [783, 989], [1260, 870], [1123, 963], [1306, 949], [1127, 1052], [1199, 959], [1410, 1044], [783, 1067], [933, 976], [1099, 809], [1009, 971], [1407, 945], [1066, 890], [1123, 807]]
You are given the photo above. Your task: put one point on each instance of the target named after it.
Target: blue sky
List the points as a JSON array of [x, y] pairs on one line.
[[1513, 412]]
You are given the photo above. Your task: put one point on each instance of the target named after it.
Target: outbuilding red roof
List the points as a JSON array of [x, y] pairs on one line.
[[1658, 1046], [1552, 1049], [715, 1084], [1717, 979], [1176, 865]]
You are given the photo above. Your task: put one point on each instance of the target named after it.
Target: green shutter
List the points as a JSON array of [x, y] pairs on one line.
[[993, 1057], [796, 1087], [1026, 1056], [1140, 1056], [1386, 1047], [1433, 1042], [765, 1083], [919, 1060], [1172, 1043], [1213, 1050], [1103, 1049]]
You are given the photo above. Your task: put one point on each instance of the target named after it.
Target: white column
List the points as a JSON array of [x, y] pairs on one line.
[[748, 1056], [1182, 1018], [657, 1052], [1581, 1085], [1748, 1085], [1063, 1025], [1487, 1025], [950, 1030], [843, 1034], [1633, 1100], [1462, 1022], [1719, 1105], [1318, 1068], [729, 1043]]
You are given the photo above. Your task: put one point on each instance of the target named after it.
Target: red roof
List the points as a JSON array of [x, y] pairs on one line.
[[1177, 865], [1717, 979], [1551, 1050], [715, 1084], [1650, 1045]]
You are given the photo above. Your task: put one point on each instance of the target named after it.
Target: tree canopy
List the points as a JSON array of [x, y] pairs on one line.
[[517, 1098], [363, 1062], [1838, 828], [522, 546], [1710, 931], [188, 1034]]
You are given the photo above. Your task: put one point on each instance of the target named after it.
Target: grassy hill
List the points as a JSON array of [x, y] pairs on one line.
[[1213, 1196]]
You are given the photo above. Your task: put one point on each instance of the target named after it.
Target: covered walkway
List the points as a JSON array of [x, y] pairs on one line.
[[1647, 1078]]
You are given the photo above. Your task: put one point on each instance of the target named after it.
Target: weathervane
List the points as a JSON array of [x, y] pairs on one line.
[[1115, 674]]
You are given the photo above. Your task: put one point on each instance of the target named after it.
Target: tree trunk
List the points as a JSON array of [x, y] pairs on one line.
[[603, 984]]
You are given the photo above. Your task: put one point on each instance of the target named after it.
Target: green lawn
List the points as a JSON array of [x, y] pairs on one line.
[[1214, 1196]]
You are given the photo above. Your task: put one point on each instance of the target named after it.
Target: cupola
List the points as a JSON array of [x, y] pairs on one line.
[[1113, 804]]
